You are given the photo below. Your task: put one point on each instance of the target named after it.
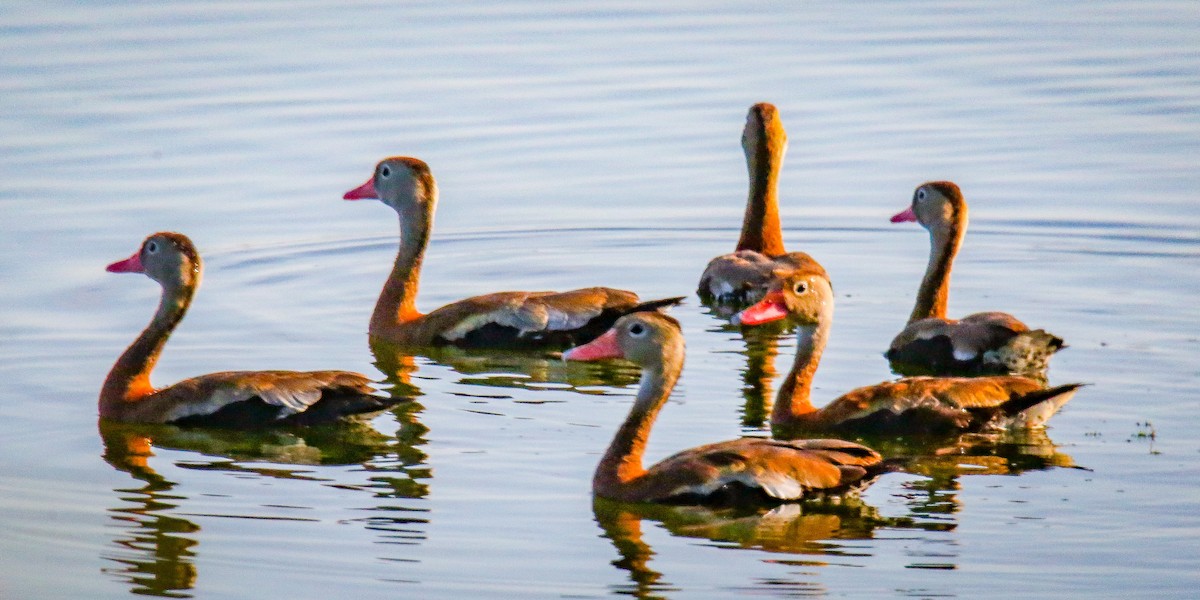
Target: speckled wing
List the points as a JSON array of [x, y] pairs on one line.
[[988, 342], [945, 397], [785, 470], [528, 313], [292, 392]]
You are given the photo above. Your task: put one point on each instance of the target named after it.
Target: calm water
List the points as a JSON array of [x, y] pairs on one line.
[[581, 144]]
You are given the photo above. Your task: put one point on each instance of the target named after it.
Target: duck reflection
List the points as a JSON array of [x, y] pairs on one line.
[[942, 461], [810, 529], [523, 370], [156, 549], [399, 370], [758, 392], [999, 453]]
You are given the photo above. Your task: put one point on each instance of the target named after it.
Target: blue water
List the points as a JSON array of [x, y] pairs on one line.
[[580, 144]]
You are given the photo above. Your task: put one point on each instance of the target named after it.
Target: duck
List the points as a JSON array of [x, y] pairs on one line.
[[517, 320], [746, 470], [245, 399], [741, 277], [981, 343], [913, 405]]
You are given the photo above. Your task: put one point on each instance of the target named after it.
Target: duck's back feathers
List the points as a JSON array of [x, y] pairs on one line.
[[256, 398], [979, 344], [533, 319], [774, 469], [938, 405]]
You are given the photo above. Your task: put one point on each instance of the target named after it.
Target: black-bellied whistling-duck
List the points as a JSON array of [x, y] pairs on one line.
[[233, 398], [988, 342], [917, 405], [736, 470], [742, 276], [502, 319]]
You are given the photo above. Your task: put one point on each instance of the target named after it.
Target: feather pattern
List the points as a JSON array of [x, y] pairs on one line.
[[289, 392]]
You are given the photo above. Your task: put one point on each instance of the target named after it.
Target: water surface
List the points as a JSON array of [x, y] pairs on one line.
[[574, 145]]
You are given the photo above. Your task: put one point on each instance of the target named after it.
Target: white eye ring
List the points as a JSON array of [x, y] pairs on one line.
[[385, 171], [637, 330], [800, 287], [152, 247], [920, 194]]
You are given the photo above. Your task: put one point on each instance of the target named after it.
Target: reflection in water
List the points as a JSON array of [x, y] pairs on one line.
[[762, 346], [1041, 375], [398, 371], [530, 371], [814, 530], [805, 528], [156, 550], [999, 453], [941, 461]]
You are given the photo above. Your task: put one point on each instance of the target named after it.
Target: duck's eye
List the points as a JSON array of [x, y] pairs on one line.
[[800, 287], [637, 330], [920, 194], [385, 171], [152, 247]]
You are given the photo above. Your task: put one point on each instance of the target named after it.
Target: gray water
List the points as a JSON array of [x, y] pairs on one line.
[[580, 144]]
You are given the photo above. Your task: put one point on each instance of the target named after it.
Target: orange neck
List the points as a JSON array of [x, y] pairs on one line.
[[397, 304], [622, 462], [129, 379], [934, 293], [761, 229], [794, 405]]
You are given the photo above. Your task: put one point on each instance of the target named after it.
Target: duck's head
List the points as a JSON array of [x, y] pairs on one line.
[[645, 338], [805, 295], [935, 204], [764, 135], [166, 257], [401, 182]]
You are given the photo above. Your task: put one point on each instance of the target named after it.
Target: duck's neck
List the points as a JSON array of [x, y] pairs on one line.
[[794, 403], [761, 230], [397, 303], [934, 293], [622, 463], [129, 379]]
